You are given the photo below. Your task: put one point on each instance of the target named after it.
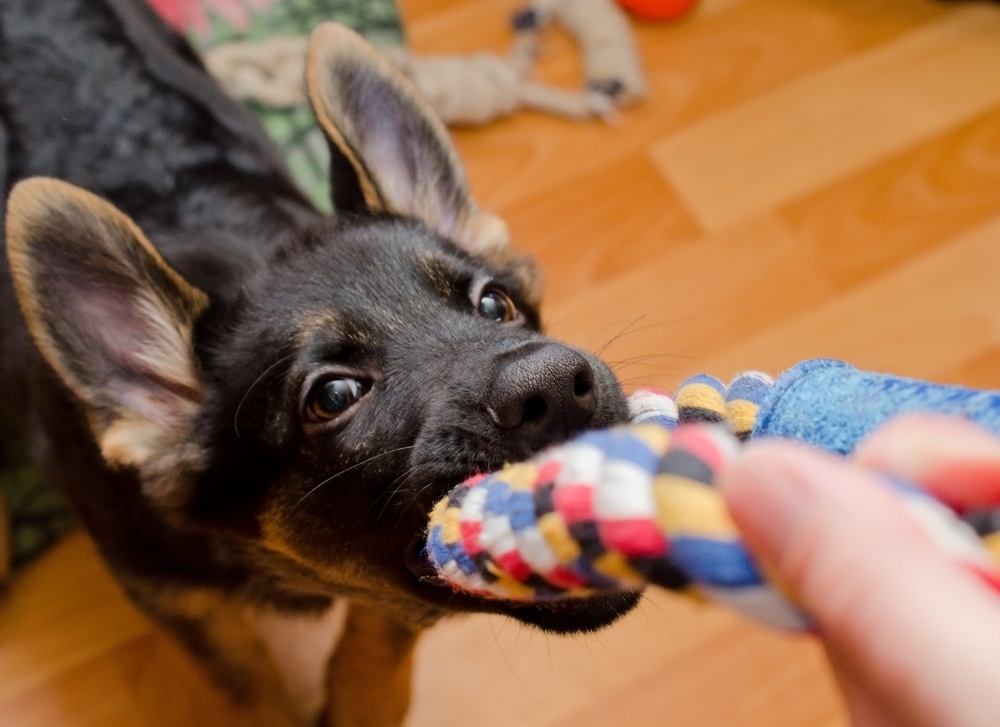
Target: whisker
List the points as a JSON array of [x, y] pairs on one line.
[[392, 490], [602, 328], [348, 469], [640, 358], [416, 495], [653, 380], [623, 332], [632, 328], [648, 361]]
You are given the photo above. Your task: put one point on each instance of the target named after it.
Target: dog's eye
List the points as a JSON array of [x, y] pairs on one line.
[[496, 305], [335, 396]]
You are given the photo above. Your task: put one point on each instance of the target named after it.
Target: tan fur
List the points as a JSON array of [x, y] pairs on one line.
[[347, 579], [370, 672], [170, 353], [272, 537], [479, 232], [241, 659], [531, 277], [362, 656], [32, 200], [131, 440], [487, 235], [126, 437], [309, 323], [301, 647], [331, 44], [368, 677], [324, 38]]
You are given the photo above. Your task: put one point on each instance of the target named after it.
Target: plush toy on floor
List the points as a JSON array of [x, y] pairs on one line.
[[621, 508], [468, 89]]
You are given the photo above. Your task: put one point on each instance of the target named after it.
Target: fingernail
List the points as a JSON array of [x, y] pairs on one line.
[[957, 461]]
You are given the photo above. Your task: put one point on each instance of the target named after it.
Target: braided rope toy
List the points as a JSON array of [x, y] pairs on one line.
[[622, 508]]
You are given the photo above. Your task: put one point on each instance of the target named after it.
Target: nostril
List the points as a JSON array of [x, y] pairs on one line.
[[535, 409], [543, 395]]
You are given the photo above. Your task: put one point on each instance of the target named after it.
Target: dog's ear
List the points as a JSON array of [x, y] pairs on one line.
[[114, 320], [390, 152]]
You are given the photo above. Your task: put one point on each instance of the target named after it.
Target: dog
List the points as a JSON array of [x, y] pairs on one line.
[[252, 406]]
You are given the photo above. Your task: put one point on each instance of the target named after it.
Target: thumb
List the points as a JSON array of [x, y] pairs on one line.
[[893, 611]]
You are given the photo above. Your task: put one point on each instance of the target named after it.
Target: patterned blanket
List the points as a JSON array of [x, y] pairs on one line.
[[211, 23]]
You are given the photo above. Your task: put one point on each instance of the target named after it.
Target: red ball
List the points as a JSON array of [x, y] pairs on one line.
[[657, 9]]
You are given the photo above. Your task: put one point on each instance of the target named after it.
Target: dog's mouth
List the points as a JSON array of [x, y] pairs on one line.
[[566, 616]]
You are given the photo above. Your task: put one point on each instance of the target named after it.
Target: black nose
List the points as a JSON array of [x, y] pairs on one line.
[[543, 394]]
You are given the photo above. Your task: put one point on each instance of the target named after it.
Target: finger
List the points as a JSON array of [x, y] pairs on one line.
[[956, 460], [865, 708], [901, 618]]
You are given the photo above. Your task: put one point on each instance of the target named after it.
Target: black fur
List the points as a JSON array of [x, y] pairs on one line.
[[101, 94]]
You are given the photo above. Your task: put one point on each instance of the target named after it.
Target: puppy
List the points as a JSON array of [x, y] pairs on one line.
[[250, 406]]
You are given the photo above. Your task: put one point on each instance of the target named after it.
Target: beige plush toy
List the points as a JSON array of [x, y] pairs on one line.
[[471, 89]]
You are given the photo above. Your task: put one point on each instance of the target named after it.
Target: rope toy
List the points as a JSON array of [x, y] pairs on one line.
[[468, 89], [621, 508]]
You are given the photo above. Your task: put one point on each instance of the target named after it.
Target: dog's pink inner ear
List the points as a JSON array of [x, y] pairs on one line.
[[110, 316], [401, 156]]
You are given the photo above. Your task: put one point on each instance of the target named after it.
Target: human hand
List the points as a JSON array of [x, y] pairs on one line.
[[914, 639]]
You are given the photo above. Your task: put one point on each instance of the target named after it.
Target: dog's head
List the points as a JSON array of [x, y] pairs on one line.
[[377, 359]]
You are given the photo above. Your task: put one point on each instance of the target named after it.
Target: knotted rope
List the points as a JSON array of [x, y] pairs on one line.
[[635, 505]]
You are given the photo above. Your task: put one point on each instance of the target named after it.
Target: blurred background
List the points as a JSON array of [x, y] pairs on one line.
[[806, 178]]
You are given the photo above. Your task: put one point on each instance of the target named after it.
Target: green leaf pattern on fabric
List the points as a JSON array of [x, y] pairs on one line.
[[37, 514], [295, 129]]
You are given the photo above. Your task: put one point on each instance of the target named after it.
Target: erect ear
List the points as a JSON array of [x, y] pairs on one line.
[[390, 152], [113, 320]]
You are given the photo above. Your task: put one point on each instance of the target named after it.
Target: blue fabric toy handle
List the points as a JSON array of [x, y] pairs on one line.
[[619, 508], [832, 405]]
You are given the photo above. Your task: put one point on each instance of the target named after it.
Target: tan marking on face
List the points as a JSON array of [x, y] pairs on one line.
[[531, 278], [485, 234], [273, 539], [437, 273], [349, 578], [311, 324]]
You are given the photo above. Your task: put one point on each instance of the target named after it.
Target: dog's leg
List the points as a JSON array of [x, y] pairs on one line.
[[223, 638], [369, 673]]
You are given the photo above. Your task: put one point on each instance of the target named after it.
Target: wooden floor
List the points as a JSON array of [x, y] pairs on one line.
[[808, 178]]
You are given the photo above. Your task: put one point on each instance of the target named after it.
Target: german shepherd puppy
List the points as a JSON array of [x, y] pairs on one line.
[[252, 407]]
